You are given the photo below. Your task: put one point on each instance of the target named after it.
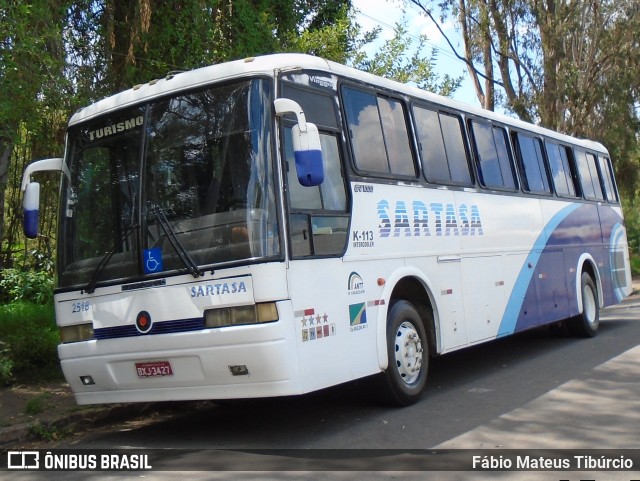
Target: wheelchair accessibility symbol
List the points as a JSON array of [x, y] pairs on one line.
[[153, 260]]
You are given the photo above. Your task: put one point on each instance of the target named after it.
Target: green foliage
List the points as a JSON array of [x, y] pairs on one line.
[[49, 431], [58, 56], [29, 342], [33, 286], [37, 404], [632, 224], [31, 282], [337, 41], [6, 363]]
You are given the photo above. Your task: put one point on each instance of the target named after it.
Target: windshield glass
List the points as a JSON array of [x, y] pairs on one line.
[[187, 179]]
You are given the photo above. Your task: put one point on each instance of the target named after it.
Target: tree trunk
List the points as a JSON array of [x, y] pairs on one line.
[[5, 155]]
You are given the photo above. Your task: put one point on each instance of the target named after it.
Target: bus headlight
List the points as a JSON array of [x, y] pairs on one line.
[[241, 315], [76, 333]]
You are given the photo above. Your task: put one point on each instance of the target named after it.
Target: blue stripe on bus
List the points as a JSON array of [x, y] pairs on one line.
[[166, 327], [519, 291]]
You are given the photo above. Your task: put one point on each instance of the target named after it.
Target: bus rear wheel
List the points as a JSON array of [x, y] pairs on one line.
[[408, 354], [587, 322]]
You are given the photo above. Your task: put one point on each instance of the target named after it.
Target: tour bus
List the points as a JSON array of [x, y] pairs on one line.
[[277, 225]]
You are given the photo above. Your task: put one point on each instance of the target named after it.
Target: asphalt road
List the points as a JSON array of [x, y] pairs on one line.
[[534, 390]]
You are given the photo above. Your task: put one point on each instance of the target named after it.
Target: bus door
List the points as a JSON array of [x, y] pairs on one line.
[[318, 224]]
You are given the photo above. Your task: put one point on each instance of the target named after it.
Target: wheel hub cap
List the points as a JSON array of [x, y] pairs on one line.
[[408, 352]]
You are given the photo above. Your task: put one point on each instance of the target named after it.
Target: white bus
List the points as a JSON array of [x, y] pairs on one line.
[[213, 244]]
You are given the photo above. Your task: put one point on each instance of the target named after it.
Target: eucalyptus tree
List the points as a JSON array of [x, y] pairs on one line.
[[570, 65]]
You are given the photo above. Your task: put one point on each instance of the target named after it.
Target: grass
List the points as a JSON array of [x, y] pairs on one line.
[[635, 265], [28, 347], [37, 404], [48, 432]]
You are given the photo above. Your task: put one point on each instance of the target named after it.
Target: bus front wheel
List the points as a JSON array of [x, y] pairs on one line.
[[408, 354], [586, 323]]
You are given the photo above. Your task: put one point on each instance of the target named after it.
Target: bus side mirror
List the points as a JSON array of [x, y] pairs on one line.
[[31, 206], [308, 155], [31, 201], [306, 145]]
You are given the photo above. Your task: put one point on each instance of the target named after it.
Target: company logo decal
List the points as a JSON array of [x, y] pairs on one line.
[[218, 289], [321, 82], [143, 322], [433, 219], [356, 285], [358, 316]]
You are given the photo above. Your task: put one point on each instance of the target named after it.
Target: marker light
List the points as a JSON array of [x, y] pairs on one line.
[[241, 315], [76, 333]]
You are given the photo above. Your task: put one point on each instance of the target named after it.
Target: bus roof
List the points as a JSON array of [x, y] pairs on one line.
[[268, 64]]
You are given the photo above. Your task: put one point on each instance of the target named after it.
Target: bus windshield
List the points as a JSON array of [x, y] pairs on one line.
[[181, 182]]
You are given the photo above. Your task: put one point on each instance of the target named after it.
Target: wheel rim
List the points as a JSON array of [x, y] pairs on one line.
[[408, 352], [589, 304]]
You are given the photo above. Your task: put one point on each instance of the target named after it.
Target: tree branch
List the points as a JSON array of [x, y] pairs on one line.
[[466, 60]]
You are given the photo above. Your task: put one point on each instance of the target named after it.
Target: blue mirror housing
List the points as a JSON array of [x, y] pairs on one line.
[[31, 207], [308, 155]]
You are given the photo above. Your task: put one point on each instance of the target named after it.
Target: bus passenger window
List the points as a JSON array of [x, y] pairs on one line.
[[494, 163], [378, 132], [589, 179], [561, 171], [441, 142], [434, 157], [607, 174], [452, 133], [532, 166], [396, 137]]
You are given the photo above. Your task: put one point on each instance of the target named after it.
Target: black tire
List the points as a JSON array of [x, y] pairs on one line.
[[408, 353], [587, 322]]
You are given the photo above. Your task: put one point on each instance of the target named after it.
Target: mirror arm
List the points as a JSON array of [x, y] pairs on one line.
[[44, 165], [285, 106]]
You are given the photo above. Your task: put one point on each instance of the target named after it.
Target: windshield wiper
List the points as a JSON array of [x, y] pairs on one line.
[[186, 259], [91, 287]]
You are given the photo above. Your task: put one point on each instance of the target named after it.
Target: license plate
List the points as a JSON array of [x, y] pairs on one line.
[[156, 368]]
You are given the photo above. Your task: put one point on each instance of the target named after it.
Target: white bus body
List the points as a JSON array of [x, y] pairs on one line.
[[147, 323]]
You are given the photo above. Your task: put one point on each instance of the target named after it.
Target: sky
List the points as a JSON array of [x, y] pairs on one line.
[[386, 13]]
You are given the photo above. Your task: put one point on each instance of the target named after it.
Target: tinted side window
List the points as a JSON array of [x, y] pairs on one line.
[[396, 137], [494, 164], [365, 130], [431, 145], [588, 171], [453, 133], [378, 132], [317, 108], [441, 142], [607, 175], [532, 166], [559, 161]]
